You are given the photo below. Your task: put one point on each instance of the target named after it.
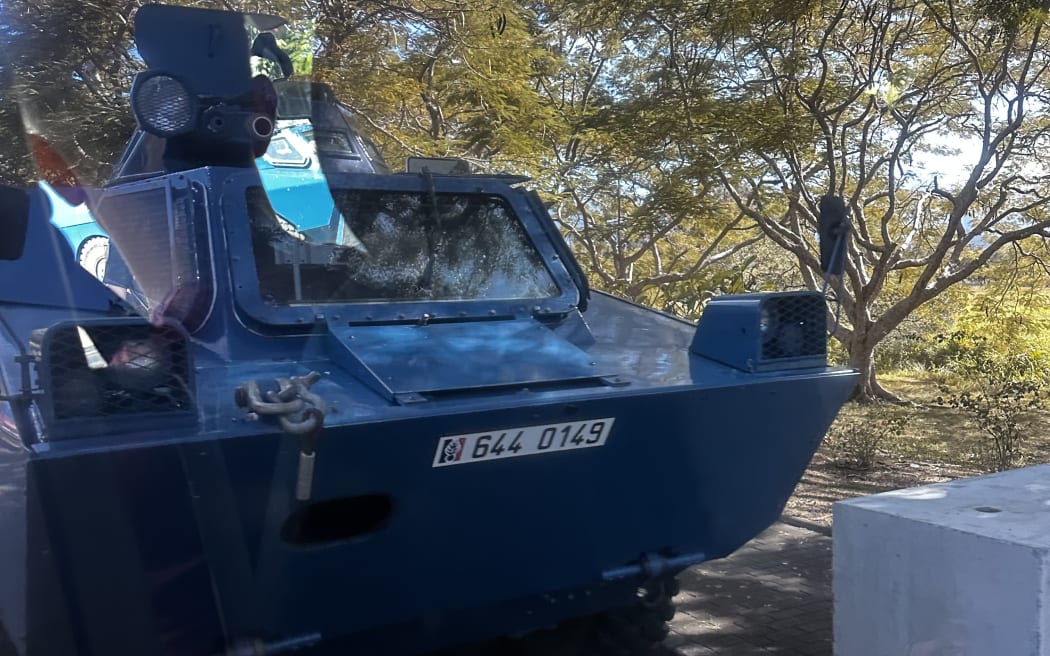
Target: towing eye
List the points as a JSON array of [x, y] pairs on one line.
[[299, 412]]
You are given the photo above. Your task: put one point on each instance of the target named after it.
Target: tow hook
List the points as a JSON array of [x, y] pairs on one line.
[[299, 412]]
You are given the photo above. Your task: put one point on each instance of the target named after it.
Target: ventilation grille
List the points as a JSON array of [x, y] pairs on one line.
[[116, 369], [793, 326]]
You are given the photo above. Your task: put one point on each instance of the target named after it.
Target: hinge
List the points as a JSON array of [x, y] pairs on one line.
[[409, 398]]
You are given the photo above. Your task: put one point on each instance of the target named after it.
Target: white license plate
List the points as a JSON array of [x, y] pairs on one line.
[[521, 441]]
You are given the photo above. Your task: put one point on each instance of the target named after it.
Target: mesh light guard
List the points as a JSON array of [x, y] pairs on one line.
[[797, 326], [163, 105], [115, 376], [764, 332]]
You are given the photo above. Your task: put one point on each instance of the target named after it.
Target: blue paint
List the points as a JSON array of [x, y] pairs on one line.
[[445, 357]]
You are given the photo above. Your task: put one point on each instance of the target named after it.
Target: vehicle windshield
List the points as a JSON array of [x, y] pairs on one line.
[[402, 246]]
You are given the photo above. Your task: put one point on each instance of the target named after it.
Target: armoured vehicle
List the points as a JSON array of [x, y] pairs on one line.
[[408, 426]]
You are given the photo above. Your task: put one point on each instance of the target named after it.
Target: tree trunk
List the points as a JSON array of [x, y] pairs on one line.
[[868, 390]]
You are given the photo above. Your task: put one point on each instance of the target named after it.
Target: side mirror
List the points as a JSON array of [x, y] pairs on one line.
[[265, 46], [833, 230], [14, 222]]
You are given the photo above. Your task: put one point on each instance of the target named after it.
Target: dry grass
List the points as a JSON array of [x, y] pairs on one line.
[[935, 444], [935, 434]]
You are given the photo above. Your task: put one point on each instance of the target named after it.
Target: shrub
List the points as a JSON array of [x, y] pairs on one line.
[[999, 410], [998, 393], [855, 443]]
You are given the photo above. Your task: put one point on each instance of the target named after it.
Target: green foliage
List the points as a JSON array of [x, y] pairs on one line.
[[687, 298], [998, 392], [997, 319], [1016, 321], [441, 78], [1012, 14], [299, 42], [854, 443], [914, 345]]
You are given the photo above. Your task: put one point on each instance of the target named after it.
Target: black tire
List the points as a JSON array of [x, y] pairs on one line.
[[635, 630], [93, 254]]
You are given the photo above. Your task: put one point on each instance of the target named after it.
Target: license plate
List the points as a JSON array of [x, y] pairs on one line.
[[521, 441]]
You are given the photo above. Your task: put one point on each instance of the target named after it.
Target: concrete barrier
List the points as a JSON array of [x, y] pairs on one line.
[[951, 569]]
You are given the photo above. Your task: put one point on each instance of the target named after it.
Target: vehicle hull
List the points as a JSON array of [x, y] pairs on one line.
[[185, 527], [176, 547]]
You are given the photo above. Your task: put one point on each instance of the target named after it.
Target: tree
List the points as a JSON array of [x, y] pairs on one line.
[[632, 171], [574, 95], [69, 66], [878, 87], [437, 77]]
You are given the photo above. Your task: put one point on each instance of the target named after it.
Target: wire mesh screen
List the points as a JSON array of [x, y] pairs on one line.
[[139, 224], [164, 104], [158, 233], [793, 326], [115, 369]]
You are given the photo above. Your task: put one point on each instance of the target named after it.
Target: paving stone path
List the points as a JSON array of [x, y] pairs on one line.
[[773, 596]]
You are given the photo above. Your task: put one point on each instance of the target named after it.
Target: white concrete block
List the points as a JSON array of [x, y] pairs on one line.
[[959, 568]]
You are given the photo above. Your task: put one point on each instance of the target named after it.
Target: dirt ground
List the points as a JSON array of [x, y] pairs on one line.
[[825, 482]]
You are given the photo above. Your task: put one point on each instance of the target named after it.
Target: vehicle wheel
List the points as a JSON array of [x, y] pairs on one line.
[[93, 254], [635, 630]]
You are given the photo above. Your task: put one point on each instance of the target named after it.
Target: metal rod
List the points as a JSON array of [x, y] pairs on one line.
[[652, 565]]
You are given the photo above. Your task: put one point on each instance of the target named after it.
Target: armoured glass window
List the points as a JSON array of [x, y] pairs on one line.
[[398, 246]]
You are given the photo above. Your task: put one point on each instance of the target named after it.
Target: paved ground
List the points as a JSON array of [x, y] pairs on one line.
[[771, 597]]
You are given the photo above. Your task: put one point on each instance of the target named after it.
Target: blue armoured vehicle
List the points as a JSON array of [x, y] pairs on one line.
[[408, 427]]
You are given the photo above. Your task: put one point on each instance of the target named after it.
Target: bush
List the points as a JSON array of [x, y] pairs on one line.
[[855, 443], [999, 393], [999, 410], [961, 354], [943, 352]]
